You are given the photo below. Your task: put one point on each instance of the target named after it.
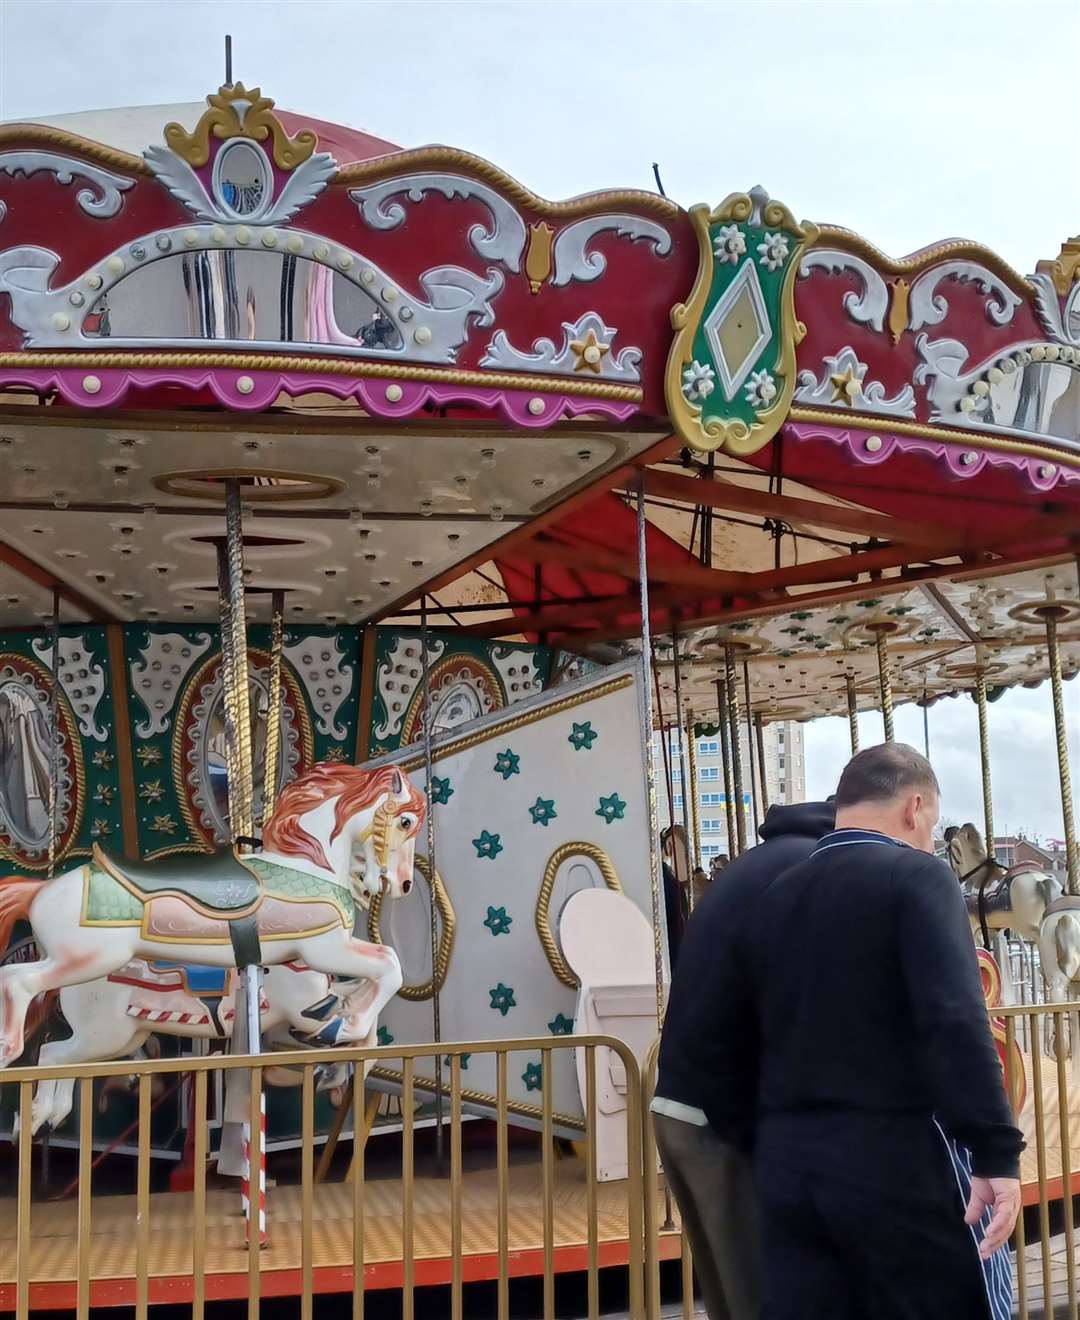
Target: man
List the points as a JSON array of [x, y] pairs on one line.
[[707, 1167], [873, 1061]]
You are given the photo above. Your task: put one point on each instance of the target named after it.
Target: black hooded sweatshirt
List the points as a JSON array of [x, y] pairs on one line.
[[695, 1066]]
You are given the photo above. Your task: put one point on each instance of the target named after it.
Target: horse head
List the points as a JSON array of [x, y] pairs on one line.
[[965, 849], [359, 824]]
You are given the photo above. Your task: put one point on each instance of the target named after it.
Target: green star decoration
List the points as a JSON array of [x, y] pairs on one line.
[[103, 759], [583, 736], [497, 921], [152, 791], [464, 1060], [502, 999], [611, 808], [507, 763], [487, 845], [384, 1037], [543, 810], [561, 1025], [148, 755], [441, 792], [533, 1076]]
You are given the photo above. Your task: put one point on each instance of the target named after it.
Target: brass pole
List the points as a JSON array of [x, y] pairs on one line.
[[695, 813], [647, 739], [272, 749], [54, 731], [691, 844], [736, 751], [759, 730], [725, 753], [1051, 614], [754, 782], [235, 661], [852, 713], [886, 685], [436, 1008], [984, 756]]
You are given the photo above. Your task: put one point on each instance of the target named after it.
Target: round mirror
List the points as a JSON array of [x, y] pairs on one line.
[[243, 181]]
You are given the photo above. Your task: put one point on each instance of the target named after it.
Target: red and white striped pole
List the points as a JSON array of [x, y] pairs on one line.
[[252, 1009]]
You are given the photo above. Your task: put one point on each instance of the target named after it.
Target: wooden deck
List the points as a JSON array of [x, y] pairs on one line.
[[112, 1241]]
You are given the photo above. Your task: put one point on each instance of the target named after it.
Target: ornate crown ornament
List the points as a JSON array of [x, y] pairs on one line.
[[236, 112]]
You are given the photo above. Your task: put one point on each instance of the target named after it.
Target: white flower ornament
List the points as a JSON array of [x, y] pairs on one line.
[[773, 251], [760, 389], [730, 244], [699, 381]]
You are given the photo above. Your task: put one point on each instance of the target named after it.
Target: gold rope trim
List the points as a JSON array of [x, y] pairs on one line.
[[510, 725], [596, 854], [417, 993], [58, 137], [952, 250], [947, 435], [518, 1107], [136, 361]]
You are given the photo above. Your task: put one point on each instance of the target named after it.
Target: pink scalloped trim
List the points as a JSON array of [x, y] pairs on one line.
[[114, 385], [1041, 473]]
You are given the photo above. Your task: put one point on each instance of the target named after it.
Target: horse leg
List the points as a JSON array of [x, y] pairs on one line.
[[338, 953]]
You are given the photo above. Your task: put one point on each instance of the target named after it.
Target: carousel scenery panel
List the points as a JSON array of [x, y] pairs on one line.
[[531, 806]]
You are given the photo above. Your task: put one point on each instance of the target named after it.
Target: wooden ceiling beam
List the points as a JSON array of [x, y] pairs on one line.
[[585, 556], [42, 577]]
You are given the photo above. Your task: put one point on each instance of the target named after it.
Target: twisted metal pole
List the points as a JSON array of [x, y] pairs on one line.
[[695, 813], [1051, 615], [647, 742], [272, 747], [688, 786], [725, 753], [736, 738], [852, 712], [759, 731], [54, 732], [436, 1007], [984, 755], [885, 680], [755, 776]]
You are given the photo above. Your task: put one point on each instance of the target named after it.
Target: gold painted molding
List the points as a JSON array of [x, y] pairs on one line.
[[956, 249], [594, 853], [417, 993]]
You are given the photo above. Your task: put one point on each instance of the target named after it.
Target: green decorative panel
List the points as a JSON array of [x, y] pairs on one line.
[[468, 679], [88, 800]]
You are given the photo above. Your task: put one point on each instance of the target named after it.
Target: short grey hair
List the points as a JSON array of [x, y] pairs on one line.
[[881, 773]]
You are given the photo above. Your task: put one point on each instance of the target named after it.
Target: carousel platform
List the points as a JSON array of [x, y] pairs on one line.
[[112, 1239]]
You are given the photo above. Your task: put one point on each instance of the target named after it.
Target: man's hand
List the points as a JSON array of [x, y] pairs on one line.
[[1001, 1194]]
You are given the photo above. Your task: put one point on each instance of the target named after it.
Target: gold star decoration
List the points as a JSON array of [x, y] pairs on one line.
[[589, 353], [100, 829], [103, 759], [846, 387], [163, 825], [335, 752], [148, 755], [152, 791], [104, 793]]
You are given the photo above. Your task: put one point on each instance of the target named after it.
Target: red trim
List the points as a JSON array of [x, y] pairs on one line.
[[330, 1279]]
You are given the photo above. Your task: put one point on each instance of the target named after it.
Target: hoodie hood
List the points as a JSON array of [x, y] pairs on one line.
[[810, 819]]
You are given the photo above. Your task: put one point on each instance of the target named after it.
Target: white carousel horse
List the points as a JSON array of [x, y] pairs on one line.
[[1059, 948], [339, 835], [999, 899], [113, 1018]]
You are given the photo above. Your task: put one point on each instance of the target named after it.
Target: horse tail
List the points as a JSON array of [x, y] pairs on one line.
[[16, 898]]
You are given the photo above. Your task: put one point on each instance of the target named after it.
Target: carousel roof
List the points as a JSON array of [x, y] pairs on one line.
[[430, 380]]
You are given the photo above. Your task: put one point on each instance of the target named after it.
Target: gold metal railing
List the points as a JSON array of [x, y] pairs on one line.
[[519, 1218], [144, 1271]]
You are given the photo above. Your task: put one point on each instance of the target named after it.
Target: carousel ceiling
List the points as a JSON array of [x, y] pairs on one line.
[[936, 634], [342, 516]]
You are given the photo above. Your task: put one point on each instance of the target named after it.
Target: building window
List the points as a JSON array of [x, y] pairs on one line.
[[708, 773], [707, 747], [711, 799], [710, 826], [676, 772], [677, 801], [710, 850], [781, 789], [781, 763]]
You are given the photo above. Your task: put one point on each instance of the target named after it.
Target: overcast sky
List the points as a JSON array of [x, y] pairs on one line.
[[909, 122]]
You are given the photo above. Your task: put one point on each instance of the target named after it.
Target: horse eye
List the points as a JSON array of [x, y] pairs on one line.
[[406, 822]]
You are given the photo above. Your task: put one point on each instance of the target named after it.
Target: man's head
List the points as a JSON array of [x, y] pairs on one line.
[[893, 789]]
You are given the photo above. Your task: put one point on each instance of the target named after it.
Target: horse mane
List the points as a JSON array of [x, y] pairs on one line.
[[355, 789]]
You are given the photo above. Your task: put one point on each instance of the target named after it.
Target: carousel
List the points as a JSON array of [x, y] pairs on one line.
[[366, 515]]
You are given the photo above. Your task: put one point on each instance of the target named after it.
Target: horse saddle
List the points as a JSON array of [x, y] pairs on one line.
[[997, 897], [218, 883]]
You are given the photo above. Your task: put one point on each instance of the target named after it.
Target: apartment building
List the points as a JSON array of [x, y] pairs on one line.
[[785, 781]]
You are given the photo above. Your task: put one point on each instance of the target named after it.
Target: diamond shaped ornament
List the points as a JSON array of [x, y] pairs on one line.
[[738, 329]]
